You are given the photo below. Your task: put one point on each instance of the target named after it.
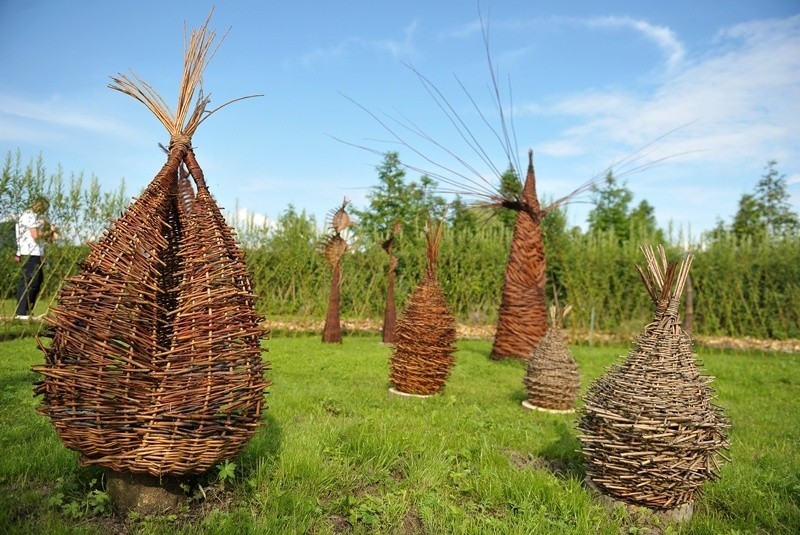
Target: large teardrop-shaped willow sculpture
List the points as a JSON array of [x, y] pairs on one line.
[[155, 363], [649, 428]]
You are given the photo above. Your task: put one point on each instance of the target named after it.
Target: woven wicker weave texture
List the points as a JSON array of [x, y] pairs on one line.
[[522, 316], [155, 363], [552, 380], [649, 429], [334, 247], [422, 356]]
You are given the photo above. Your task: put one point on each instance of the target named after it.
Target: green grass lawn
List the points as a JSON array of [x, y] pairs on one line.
[[337, 453]]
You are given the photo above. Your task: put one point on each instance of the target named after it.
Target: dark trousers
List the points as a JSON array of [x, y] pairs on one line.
[[29, 284]]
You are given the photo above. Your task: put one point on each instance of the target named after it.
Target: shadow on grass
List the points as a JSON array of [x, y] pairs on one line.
[[263, 448], [11, 329], [519, 395], [564, 456], [14, 382], [561, 458]]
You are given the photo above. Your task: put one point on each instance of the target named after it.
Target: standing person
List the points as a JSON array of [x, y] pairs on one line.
[[32, 233]]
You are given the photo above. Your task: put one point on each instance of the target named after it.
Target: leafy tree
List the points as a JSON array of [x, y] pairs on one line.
[[767, 210], [643, 221], [612, 212], [510, 188], [556, 238], [395, 199], [294, 229], [79, 209], [462, 217], [748, 221]]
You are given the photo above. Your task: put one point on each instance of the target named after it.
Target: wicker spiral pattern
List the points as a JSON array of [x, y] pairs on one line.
[[649, 429], [522, 317], [422, 356], [553, 380], [154, 364]]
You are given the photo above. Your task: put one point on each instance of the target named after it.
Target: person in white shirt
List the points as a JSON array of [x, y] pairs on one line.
[[32, 233]]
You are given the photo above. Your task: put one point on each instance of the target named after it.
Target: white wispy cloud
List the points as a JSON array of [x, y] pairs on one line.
[[58, 112], [662, 36], [740, 100], [396, 48], [246, 217]]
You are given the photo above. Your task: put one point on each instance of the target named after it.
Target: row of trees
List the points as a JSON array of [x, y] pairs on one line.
[[766, 213]]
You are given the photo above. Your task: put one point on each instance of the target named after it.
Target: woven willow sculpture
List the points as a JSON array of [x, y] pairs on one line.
[[388, 331], [650, 432], [333, 247], [552, 380], [522, 317], [422, 357], [155, 364]]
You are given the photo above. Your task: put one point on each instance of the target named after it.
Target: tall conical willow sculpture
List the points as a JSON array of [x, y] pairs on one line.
[[422, 356], [650, 430], [522, 317], [155, 360]]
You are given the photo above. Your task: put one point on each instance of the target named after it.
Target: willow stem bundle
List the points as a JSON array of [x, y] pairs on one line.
[[333, 247], [388, 330]]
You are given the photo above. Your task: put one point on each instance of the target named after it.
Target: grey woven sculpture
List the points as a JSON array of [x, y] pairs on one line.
[[650, 432], [553, 380]]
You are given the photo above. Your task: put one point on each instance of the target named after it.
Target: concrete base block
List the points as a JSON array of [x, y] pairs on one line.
[[531, 407], [677, 515], [399, 393]]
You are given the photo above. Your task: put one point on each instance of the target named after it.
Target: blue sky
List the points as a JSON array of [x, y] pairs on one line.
[[587, 84]]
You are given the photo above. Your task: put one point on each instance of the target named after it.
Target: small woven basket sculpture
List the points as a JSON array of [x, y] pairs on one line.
[[650, 432], [333, 247], [155, 361], [422, 356], [552, 380]]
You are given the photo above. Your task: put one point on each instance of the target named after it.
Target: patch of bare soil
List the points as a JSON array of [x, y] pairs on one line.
[[340, 524], [412, 523], [486, 332], [524, 461]]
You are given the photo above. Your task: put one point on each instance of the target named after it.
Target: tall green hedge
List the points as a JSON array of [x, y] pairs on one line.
[[741, 288]]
